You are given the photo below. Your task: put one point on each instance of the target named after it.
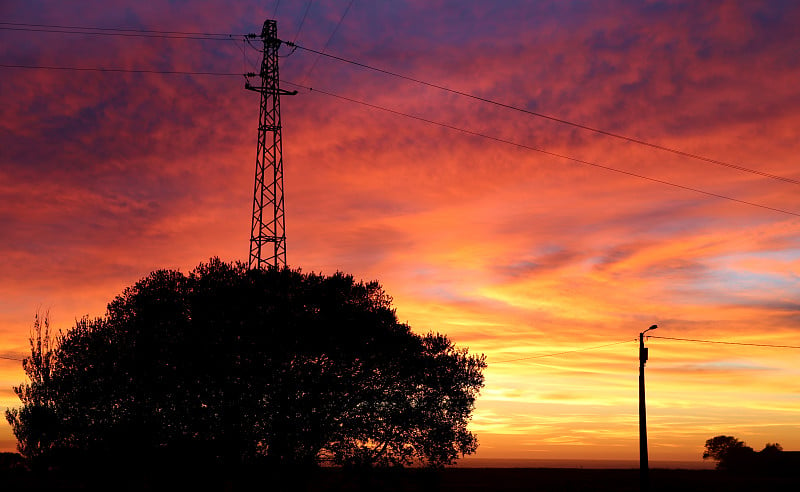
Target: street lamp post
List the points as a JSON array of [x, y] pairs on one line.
[[643, 464]]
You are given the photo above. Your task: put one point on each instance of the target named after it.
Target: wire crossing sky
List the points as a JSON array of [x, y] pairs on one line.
[[101, 31], [552, 118], [463, 130], [745, 344], [536, 149], [319, 53]]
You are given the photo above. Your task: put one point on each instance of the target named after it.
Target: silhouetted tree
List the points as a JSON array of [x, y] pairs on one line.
[[718, 447], [11, 462], [229, 366], [35, 425], [732, 454]]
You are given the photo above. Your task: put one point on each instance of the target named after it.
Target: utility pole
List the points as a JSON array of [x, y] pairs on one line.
[[267, 227], [644, 470]]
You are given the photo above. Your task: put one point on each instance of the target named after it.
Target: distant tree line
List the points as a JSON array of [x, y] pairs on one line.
[[229, 366], [735, 456]]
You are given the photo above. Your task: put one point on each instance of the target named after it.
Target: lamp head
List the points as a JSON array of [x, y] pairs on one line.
[[651, 328]]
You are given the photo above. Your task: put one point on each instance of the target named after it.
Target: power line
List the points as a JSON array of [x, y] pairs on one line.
[[131, 35], [228, 37], [303, 20], [418, 118], [122, 29], [554, 354], [335, 29], [564, 352], [115, 31], [729, 343], [547, 152], [325, 46], [8, 357], [120, 70], [549, 117]]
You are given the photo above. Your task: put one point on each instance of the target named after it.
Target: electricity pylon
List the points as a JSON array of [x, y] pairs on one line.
[[267, 227]]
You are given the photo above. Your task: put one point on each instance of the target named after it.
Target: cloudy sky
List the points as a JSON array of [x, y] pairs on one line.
[[447, 200]]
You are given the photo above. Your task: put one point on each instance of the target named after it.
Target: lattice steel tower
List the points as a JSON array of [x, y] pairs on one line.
[[267, 228]]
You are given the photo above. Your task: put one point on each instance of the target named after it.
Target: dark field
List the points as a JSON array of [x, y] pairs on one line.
[[448, 480]]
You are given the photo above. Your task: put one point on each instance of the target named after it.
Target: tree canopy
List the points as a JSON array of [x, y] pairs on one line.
[[230, 365], [734, 455], [720, 448]]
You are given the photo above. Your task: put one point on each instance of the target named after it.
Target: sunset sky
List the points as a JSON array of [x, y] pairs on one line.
[[512, 252]]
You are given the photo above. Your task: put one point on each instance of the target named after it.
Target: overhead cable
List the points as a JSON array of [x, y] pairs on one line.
[[419, 118], [115, 31], [551, 118], [303, 20], [564, 352], [547, 152], [729, 343], [121, 70], [325, 46], [229, 37]]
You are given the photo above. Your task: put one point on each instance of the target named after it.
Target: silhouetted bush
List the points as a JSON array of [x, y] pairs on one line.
[[229, 366], [734, 456], [12, 462]]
